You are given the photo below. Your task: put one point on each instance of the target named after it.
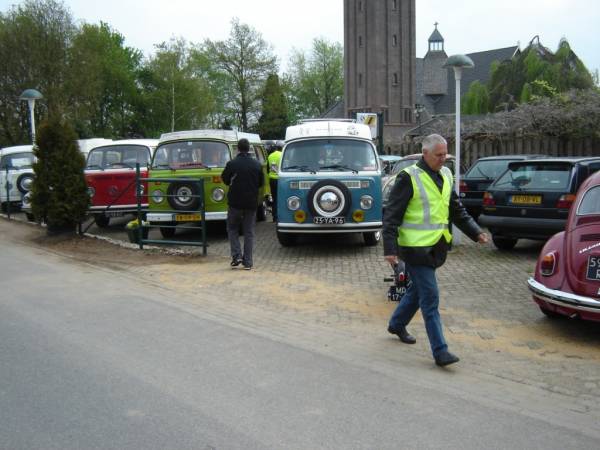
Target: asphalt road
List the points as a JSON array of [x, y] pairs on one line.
[[93, 358]]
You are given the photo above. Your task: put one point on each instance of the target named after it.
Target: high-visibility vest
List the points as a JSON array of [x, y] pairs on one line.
[[273, 160], [426, 217]]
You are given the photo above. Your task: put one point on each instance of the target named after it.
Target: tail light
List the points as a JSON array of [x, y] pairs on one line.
[[548, 264], [488, 199], [565, 201], [462, 186]]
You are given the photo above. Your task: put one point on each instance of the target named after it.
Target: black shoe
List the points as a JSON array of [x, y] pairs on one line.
[[446, 358], [235, 262], [247, 267], [402, 334]]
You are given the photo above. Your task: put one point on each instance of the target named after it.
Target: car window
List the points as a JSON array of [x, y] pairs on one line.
[[488, 169], [253, 152], [590, 203], [535, 177], [17, 161], [118, 156], [192, 154], [329, 155]]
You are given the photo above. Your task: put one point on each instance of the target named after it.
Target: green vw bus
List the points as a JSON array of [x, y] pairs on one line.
[[200, 154]]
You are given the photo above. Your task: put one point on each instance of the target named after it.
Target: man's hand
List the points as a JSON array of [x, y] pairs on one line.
[[483, 238], [392, 259]]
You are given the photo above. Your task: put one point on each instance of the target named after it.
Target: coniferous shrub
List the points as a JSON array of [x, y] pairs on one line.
[[59, 192]]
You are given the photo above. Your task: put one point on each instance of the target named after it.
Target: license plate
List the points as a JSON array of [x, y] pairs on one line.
[[113, 214], [593, 268], [329, 220], [188, 217], [526, 199]]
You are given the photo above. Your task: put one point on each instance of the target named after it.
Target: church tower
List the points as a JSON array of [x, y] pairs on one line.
[[379, 61]]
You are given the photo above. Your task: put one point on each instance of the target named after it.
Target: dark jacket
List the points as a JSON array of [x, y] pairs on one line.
[[401, 193], [244, 176]]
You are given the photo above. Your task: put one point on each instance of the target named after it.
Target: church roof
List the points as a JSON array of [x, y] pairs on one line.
[[436, 36]]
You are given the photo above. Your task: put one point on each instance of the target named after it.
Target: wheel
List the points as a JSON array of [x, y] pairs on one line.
[[4, 207], [261, 212], [329, 198], [502, 243], [184, 196], [101, 220], [30, 217], [551, 314], [372, 238], [286, 239], [167, 232]]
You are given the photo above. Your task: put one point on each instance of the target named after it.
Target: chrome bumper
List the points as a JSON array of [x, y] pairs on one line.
[[170, 217], [363, 227], [562, 298]]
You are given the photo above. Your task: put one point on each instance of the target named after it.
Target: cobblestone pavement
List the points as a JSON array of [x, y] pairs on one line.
[[336, 282]]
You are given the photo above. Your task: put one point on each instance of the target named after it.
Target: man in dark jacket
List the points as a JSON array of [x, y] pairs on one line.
[[421, 205], [244, 177]]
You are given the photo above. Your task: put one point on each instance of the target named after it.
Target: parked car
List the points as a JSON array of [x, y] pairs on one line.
[[110, 175], [16, 175], [567, 274], [477, 179], [531, 199], [200, 154], [329, 182], [406, 161], [387, 162]]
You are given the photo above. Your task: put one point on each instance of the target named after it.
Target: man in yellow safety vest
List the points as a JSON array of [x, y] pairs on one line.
[[273, 160], [421, 206]]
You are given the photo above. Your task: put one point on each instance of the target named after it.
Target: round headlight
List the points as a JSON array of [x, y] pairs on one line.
[[293, 203], [366, 202], [91, 191], [157, 196], [27, 199], [218, 194]]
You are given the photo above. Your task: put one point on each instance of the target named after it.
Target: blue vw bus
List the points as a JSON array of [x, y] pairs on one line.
[[329, 181]]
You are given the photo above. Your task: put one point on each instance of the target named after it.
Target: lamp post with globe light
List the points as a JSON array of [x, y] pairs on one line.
[[458, 63], [31, 95]]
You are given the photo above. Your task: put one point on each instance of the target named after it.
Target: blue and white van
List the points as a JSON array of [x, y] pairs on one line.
[[329, 181]]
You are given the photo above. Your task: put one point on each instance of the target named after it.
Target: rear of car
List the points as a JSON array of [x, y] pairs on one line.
[[202, 155], [531, 199], [110, 174], [329, 182], [16, 174]]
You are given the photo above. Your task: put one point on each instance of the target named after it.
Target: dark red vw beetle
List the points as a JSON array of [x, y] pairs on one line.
[[567, 273], [110, 176]]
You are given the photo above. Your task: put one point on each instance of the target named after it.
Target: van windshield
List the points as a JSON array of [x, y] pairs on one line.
[[328, 155], [16, 161], [115, 156], [184, 154]]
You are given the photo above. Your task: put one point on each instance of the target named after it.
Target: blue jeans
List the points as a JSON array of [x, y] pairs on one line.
[[422, 293], [247, 219]]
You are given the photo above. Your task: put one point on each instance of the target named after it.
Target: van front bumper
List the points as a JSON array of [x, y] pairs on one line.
[[363, 227]]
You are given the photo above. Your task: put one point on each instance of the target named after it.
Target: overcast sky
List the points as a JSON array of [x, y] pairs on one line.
[[467, 25]]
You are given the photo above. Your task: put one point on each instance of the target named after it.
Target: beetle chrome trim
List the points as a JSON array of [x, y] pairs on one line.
[[562, 298]]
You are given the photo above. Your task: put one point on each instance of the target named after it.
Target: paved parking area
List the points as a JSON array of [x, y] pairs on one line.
[[337, 282]]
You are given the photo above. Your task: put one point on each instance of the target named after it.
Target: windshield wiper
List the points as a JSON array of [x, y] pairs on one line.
[[487, 177], [339, 166], [300, 168]]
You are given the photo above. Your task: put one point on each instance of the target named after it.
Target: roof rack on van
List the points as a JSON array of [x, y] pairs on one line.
[[326, 120]]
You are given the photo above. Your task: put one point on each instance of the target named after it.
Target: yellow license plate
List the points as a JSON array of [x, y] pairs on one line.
[[188, 217], [526, 199]]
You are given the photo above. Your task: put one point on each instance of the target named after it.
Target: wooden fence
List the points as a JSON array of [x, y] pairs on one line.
[[472, 149]]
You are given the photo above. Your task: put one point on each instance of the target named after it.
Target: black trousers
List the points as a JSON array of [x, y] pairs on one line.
[[273, 184]]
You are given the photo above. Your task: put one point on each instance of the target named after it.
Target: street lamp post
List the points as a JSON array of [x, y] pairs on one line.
[[458, 63], [31, 95]]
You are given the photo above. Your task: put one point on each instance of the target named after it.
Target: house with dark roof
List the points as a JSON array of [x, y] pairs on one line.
[[435, 85]]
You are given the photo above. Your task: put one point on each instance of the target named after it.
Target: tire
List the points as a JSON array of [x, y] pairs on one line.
[[22, 179], [167, 232], [286, 239], [184, 196], [333, 186], [502, 243], [372, 238], [261, 212], [101, 220], [551, 314]]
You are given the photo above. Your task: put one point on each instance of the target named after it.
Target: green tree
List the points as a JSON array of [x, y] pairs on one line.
[[34, 39], [477, 99], [59, 192], [245, 60], [315, 80], [102, 82], [274, 119]]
